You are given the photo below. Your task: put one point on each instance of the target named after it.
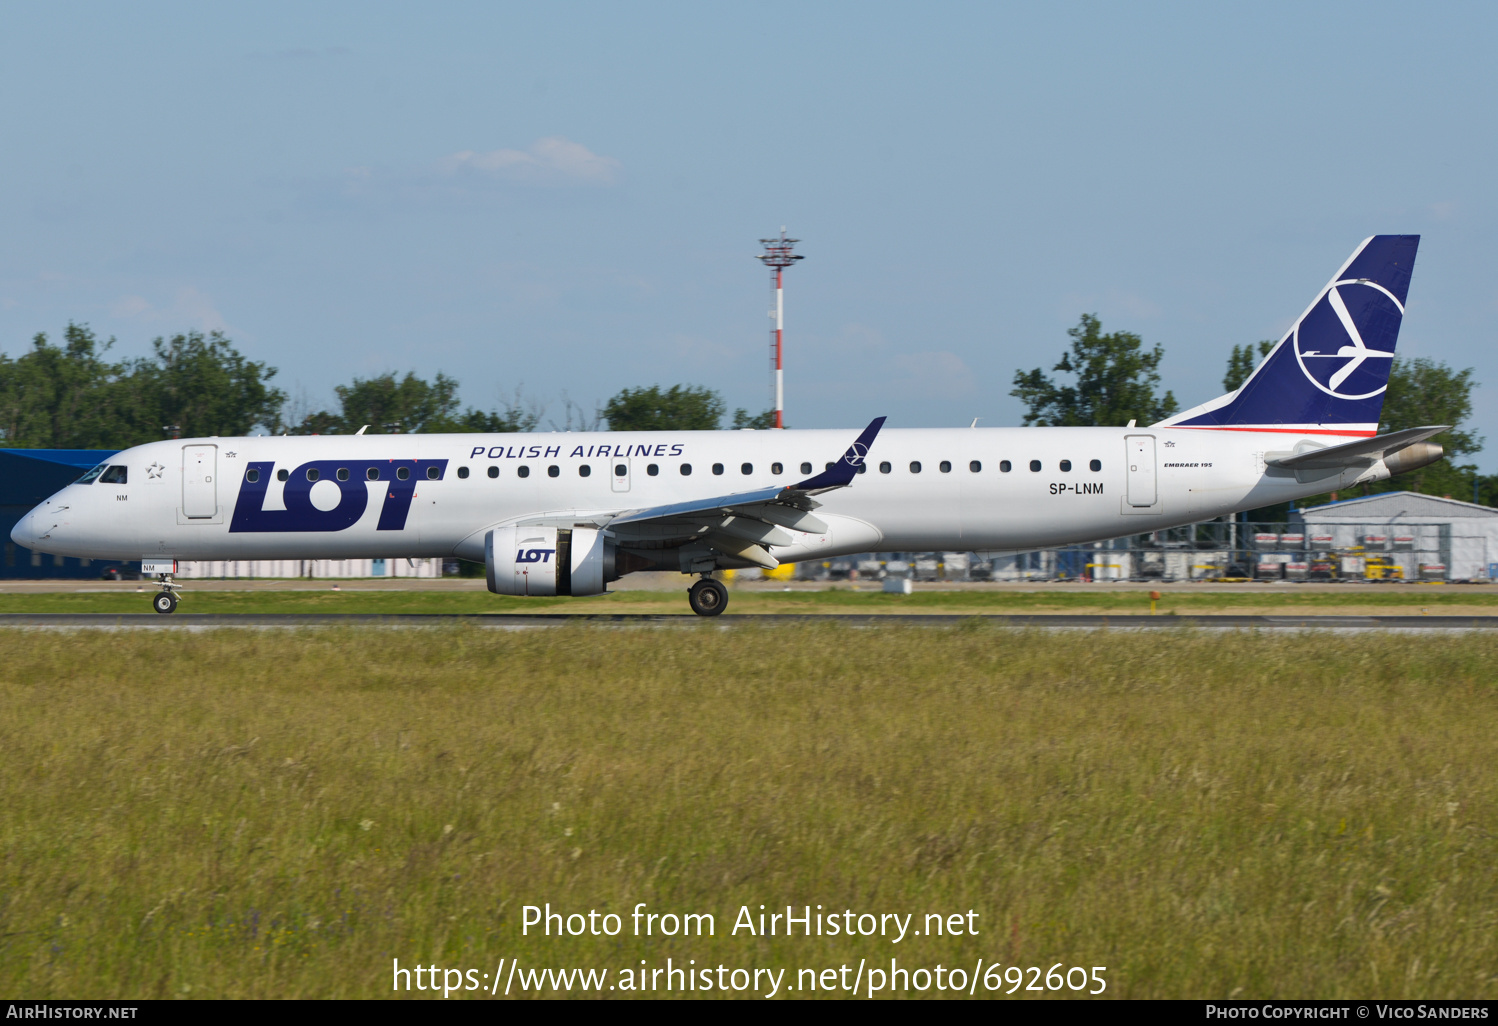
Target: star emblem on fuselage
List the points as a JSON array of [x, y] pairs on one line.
[[155, 470]]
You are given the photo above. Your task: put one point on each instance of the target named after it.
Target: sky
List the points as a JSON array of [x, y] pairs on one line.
[[567, 198]]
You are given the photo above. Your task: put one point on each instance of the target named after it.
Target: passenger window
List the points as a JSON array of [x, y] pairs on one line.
[[915, 466], [282, 475], [885, 468], [717, 468], [777, 468], [493, 471], [115, 475], [863, 468], [403, 472], [620, 470], [522, 471], [92, 475], [343, 473], [975, 466], [553, 471], [831, 465], [945, 466], [463, 473], [747, 468], [1035, 466], [312, 474], [252, 475], [1095, 466], [433, 473], [372, 474], [686, 470], [1065, 466], [1005, 466], [585, 471], [653, 469], [806, 468]]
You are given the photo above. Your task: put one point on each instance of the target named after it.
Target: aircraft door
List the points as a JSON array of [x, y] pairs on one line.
[[199, 481], [1141, 463], [619, 473]]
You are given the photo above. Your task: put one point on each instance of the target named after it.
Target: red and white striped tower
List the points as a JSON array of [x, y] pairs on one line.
[[777, 257]]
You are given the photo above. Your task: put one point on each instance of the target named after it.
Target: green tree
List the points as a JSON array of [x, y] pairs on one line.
[[758, 421], [195, 385], [387, 404], [1242, 363], [678, 408], [71, 396], [50, 397], [1116, 381], [1423, 392]]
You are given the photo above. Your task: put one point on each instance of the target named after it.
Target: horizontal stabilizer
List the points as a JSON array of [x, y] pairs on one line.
[[1363, 452]]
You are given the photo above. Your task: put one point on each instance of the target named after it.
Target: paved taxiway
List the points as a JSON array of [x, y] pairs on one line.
[[534, 620]]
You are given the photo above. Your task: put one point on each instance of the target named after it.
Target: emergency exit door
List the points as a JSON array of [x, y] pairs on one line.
[[619, 471], [200, 481], [1141, 463]]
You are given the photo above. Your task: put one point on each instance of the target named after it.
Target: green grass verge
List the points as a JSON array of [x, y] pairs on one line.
[[265, 599], [240, 814]]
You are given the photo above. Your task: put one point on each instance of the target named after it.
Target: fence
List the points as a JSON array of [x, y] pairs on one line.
[[1214, 550]]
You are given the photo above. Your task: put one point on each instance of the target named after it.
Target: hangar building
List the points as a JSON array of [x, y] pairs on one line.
[[1420, 530]]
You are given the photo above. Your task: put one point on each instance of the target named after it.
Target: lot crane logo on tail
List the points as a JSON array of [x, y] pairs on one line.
[[1331, 318]]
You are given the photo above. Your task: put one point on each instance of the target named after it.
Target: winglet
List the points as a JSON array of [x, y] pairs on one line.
[[841, 473]]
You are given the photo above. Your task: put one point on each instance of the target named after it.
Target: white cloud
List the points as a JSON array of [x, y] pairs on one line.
[[188, 309], [553, 160]]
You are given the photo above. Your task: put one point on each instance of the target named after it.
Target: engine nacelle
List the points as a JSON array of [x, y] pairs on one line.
[[530, 560], [1413, 457]]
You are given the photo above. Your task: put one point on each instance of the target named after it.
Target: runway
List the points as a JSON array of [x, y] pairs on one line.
[[510, 621]]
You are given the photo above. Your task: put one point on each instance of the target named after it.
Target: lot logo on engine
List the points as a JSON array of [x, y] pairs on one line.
[[534, 555]]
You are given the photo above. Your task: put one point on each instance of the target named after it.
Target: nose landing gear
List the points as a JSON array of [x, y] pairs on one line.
[[165, 601], [708, 597]]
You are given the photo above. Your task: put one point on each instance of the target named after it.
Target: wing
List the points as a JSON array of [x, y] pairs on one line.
[[742, 525]]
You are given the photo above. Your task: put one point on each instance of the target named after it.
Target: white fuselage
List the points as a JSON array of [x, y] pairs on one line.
[[1147, 479]]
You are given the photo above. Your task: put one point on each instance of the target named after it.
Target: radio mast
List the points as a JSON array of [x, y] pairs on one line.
[[777, 257]]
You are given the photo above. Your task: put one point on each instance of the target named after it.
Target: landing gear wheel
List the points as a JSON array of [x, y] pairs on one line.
[[165, 602], [708, 597]]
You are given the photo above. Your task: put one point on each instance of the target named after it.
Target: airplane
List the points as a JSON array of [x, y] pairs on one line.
[[567, 514]]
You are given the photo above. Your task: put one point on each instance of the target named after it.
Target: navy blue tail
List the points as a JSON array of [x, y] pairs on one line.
[[1329, 373]]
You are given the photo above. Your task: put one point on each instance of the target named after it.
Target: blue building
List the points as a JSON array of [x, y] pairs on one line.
[[28, 476]]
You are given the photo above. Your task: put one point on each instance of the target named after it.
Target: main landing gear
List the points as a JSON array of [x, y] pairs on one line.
[[708, 597], [165, 601]]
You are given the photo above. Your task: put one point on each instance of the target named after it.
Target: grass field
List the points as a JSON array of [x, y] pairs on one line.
[[265, 597], [277, 813]]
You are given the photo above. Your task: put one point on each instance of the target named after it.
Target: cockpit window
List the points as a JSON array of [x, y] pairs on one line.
[[92, 475], [116, 475]]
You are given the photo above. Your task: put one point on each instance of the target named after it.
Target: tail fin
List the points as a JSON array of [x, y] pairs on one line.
[[1329, 373]]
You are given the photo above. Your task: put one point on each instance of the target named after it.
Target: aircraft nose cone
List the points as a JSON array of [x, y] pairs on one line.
[[23, 534]]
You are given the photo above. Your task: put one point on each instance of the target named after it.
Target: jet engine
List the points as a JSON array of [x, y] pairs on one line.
[[531, 560], [1413, 457]]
